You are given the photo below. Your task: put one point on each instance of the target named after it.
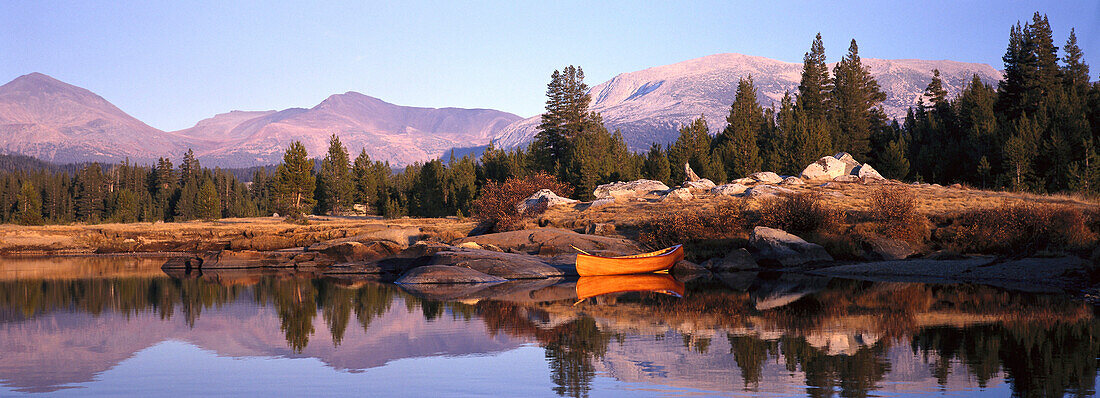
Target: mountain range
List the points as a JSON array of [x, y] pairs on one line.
[[650, 105], [55, 121], [58, 122]]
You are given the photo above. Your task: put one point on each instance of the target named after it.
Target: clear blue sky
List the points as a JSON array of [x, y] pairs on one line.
[[171, 64]]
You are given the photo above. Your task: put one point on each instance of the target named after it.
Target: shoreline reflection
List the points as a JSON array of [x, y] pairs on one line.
[[747, 333]]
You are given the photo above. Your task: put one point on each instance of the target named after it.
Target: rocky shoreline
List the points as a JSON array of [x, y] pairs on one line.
[[453, 251]]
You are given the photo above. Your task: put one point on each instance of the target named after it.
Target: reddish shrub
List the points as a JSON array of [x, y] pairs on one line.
[[497, 203], [1023, 229], [894, 208], [725, 221], [798, 213]]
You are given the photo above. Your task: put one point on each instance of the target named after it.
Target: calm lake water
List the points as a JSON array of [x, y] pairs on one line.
[[120, 326]]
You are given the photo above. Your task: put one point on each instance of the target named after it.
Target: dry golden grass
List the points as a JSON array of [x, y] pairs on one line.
[[893, 209], [148, 237]]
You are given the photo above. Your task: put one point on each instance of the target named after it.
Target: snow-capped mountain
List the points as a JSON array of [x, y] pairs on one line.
[[651, 104]]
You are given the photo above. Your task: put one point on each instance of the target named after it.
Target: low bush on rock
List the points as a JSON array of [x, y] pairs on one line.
[[694, 229], [895, 211], [1024, 229], [798, 213], [497, 203]]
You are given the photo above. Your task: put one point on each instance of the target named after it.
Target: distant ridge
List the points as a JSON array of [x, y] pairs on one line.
[[58, 122], [650, 105], [54, 121]]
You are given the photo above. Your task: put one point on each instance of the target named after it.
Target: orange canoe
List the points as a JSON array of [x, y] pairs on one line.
[[592, 286], [661, 260]]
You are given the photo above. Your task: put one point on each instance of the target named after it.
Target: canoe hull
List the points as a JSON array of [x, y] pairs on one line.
[[589, 265], [592, 286]]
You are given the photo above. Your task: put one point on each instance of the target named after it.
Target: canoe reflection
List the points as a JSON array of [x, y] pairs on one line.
[[592, 286]]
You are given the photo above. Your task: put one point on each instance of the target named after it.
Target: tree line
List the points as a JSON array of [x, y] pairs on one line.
[[1036, 131]]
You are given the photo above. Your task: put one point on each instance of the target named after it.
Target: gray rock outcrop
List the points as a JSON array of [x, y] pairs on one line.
[[729, 189], [736, 260], [678, 194], [504, 265], [445, 274], [782, 248], [553, 241], [825, 169], [867, 172], [700, 185], [629, 189], [792, 180], [766, 177], [543, 197]]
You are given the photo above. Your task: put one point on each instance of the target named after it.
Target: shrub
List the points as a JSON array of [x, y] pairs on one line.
[[894, 208], [1023, 229], [497, 203], [798, 213], [723, 222], [296, 218]]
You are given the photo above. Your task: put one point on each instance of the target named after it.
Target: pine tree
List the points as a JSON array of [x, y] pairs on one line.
[[207, 202], [28, 205], [693, 147], [566, 118], [335, 181], [428, 190], [1086, 172], [1075, 73], [126, 208], [461, 185], [892, 163], [815, 86], [810, 139], [656, 166], [773, 141], [189, 168], [935, 91], [90, 195], [855, 100], [186, 203], [1031, 69], [978, 123], [295, 182], [737, 147], [1019, 152]]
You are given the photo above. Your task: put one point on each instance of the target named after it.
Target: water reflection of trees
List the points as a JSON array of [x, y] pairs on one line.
[[1040, 359], [1042, 345], [571, 348]]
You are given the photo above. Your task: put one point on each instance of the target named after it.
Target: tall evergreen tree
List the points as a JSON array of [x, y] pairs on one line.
[[656, 166], [428, 190], [1075, 73], [461, 185], [1019, 152], [566, 118], [815, 86], [207, 202], [855, 112], [736, 147], [978, 124], [295, 182], [810, 138], [693, 147], [189, 168], [335, 181], [28, 205], [90, 193]]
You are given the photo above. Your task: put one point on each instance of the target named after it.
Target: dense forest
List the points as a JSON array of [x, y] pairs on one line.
[[1035, 131]]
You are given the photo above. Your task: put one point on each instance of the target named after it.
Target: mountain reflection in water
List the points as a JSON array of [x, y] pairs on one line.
[[742, 334]]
